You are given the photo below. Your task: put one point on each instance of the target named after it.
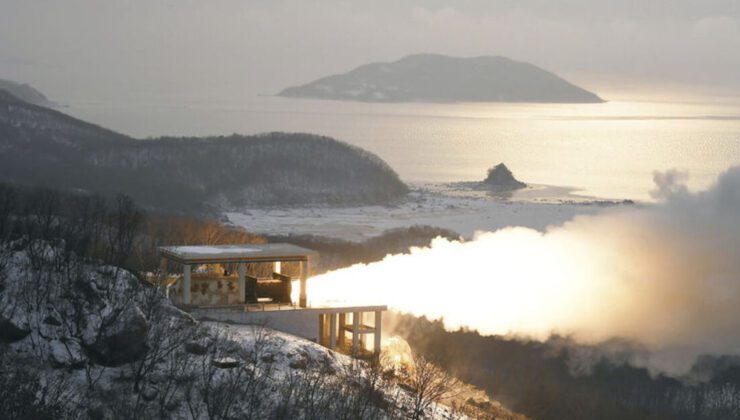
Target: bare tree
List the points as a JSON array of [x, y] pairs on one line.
[[24, 395], [176, 374], [124, 220], [8, 198], [223, 392], [364, 392], [428, 384], [167, 333]]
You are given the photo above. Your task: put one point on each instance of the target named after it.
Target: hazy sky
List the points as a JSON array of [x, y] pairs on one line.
[[230, 49]]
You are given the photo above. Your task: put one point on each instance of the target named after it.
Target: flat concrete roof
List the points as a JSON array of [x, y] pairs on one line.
[[240, 308], [203, 254]]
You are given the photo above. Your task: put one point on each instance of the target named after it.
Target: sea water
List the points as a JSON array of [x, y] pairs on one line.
[[609, 150]]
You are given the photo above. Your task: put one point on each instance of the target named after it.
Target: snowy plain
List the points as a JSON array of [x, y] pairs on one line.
[[453, 206]]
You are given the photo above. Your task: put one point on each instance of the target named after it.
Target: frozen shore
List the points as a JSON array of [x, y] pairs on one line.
[[457, 207]]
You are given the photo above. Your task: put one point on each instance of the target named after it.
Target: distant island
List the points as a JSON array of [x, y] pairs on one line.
[[26, 93], [440, 78], [188, 175]]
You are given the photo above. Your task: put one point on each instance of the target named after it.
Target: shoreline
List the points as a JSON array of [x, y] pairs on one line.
[[450, 206]]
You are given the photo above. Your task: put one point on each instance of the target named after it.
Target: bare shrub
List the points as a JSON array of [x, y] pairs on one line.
[[218, 392], [168, 332], [24, 394], [428, 385]]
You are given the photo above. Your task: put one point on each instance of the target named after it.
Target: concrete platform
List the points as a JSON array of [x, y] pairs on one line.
[[313, 323]]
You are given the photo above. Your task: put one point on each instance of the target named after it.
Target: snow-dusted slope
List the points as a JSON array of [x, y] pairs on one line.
[[82, 339]]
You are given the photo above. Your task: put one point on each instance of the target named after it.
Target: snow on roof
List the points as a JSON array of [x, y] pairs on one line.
[[233, 253], [213, 249]]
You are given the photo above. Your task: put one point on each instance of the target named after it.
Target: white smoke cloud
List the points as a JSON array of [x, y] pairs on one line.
[[669, 184], [666, 276]]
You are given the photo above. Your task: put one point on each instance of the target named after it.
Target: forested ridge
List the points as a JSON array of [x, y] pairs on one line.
[[40, 146]]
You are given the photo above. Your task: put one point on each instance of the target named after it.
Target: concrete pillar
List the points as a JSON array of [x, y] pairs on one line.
[[163, 276], [377, 335], [186, 284], [342, 324], [303, 299], [355, 332], [242, 269], [277, 267], [322, 329], [333, 331]]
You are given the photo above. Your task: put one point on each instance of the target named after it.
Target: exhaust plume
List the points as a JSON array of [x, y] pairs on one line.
[[665, 275]]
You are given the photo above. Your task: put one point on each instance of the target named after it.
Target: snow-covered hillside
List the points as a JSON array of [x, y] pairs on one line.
[[83, 339]]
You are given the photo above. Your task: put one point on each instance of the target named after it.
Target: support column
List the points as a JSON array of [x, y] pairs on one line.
[[303, 300], [333, 331], [342, 323], [277, 267], [242, 269], [377, 335], [355, 332], [186, 284], [322, 329], [163, 276]]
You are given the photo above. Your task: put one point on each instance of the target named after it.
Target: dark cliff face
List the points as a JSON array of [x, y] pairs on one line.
[[439, 78], [187, 175]]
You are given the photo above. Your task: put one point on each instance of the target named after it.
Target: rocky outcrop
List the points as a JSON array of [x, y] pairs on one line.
[[123, 341], [66, 352], [226, 363], [95, 315], [11, 331], [196, 348], [501, 179]]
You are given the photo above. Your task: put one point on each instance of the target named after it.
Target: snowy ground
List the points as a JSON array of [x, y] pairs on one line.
[[457, 207], [58, 333], [290, 353]]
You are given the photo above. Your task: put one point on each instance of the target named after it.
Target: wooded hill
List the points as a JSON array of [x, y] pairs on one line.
[[188, 175], [440, 78]]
